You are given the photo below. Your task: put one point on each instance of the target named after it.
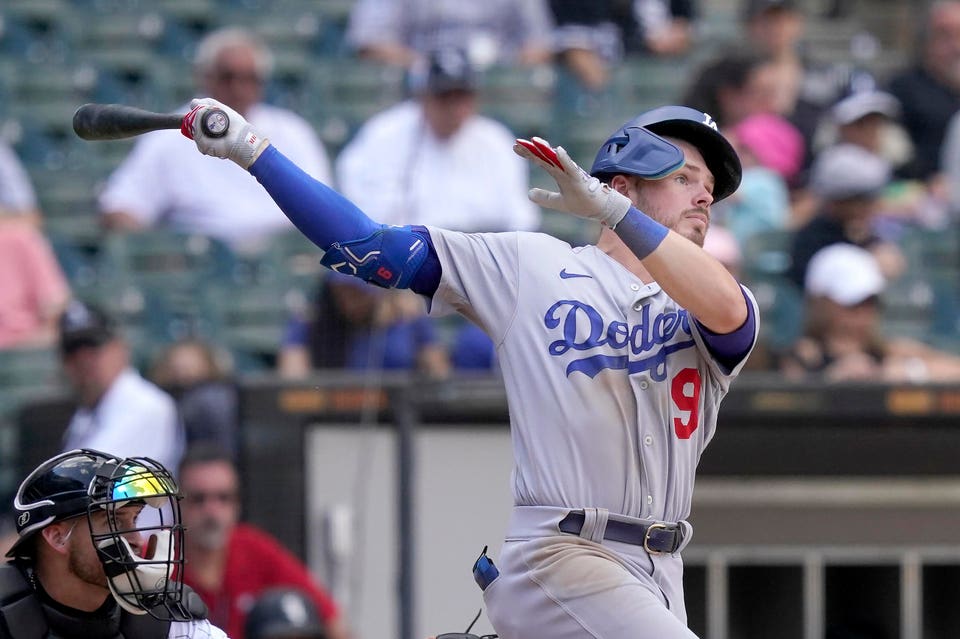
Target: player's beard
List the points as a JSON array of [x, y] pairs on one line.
[[690, 230], [87, 567]]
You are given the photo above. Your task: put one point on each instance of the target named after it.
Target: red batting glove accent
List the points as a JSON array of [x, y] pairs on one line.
[[186, 126], [537, 151], [547, 152]]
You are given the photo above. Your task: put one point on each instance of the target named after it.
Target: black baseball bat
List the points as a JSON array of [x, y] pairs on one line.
[[117, 121]]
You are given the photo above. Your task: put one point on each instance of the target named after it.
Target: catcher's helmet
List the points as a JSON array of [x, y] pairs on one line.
[[284, 612], [638, 148], [84, 482]]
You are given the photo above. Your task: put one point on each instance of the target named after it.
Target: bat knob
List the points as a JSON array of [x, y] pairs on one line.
[[215, 123]]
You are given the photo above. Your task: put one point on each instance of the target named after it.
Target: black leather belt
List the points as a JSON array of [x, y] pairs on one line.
[[656, 539]]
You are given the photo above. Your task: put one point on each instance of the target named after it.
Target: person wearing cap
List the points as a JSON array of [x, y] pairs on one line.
[[433, 159], [616, 356], [864, 117], [95, 555], [118, 410], [842, 338], [869, 118], [848, 181], [929, 89]]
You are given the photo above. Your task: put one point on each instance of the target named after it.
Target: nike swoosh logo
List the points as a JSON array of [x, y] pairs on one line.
[[566, 276]]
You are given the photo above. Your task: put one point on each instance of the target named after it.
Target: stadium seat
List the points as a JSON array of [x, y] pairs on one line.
[[781, 310], [520, 97], [22, 370], [165, 260], [767, 254]]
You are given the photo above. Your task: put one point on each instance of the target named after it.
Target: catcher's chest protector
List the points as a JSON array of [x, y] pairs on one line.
[[22, 616]]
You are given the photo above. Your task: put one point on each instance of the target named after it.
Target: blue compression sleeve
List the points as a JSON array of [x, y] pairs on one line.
[[325, 216], [322, 214], [641, 233]]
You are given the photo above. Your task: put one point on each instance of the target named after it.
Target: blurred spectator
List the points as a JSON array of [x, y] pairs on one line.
[[400, 32], [592, 37], [191, 371], [842, 341], [800, 90], [869, 120], [929, 91], [732, 86], [357, 326], [232, 563], [284, 613], [164, 182], [771, 151], [434, 160], [863, 117], [118, 410], [848, 180], [33, 288], [17, 197]]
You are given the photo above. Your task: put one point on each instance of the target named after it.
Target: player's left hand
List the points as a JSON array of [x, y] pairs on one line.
[[241, 143], [580, 194]]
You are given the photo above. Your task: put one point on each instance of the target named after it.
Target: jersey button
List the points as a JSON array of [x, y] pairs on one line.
[[638, 307], [648, 440], [634, 287], [643, 384], [649, 499]]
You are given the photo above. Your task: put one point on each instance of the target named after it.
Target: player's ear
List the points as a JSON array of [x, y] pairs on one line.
[[620, 184], [55, 536]]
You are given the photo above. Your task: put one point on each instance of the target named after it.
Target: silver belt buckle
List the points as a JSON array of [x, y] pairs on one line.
[[646, 538]]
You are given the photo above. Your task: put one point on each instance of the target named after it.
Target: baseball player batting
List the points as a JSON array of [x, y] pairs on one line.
[[615, 356]]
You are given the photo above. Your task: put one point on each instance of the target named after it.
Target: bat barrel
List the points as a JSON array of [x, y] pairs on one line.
[[117, 121]]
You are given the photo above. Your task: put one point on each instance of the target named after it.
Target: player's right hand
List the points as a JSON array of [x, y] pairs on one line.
[[580, 194], [241, 143]]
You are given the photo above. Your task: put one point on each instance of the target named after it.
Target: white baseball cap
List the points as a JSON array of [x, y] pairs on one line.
[[844, 273], [860, 104], [847, 170]]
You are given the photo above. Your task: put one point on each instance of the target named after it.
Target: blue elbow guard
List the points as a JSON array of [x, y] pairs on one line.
[[390, 257]]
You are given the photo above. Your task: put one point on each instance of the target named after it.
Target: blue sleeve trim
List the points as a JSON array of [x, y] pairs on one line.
[[729, 349]]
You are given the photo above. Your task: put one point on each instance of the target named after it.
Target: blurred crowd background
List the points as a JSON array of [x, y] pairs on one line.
[[841, 110]]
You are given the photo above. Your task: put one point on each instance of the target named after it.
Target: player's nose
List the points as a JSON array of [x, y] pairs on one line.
[[703, 197]]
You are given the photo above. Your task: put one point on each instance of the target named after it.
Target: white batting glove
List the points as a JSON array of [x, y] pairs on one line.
[[241, 143], [580, 194]]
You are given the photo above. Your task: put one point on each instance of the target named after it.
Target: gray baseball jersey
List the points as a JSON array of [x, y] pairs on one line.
[[613, 395]]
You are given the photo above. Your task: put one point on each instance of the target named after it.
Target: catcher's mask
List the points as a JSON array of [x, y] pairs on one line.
[[132, 508]]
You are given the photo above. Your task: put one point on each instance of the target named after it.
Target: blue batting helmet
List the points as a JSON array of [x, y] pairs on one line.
[[637, 148]]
